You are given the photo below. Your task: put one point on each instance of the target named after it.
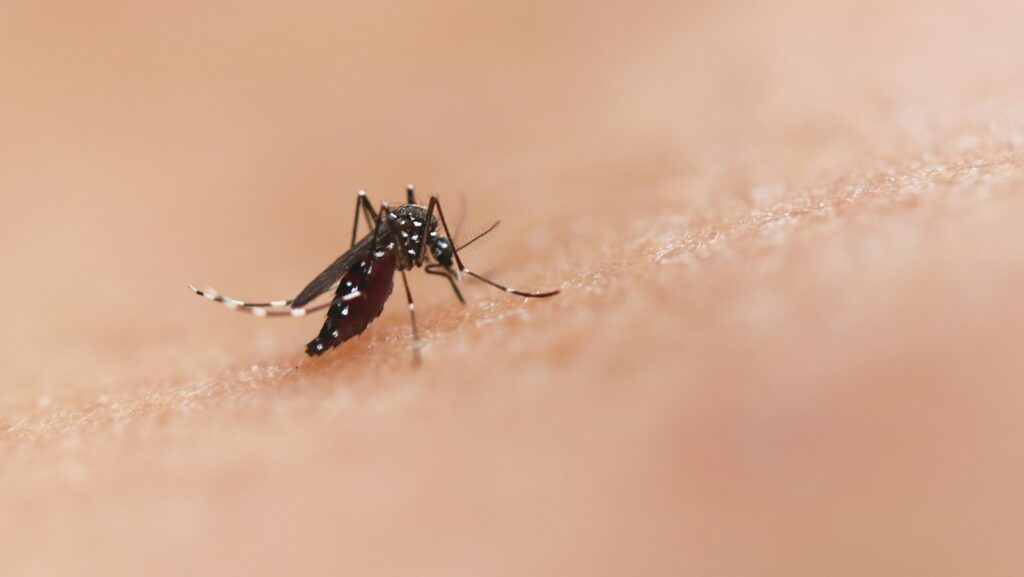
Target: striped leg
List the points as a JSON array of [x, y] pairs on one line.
[[364, 206], [436, 203], [416, 345], [268, 309]]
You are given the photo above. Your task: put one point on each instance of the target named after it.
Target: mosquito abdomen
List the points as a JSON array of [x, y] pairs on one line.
[[358, 301]]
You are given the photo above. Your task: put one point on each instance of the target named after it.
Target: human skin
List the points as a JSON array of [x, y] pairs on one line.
[[786, 234]]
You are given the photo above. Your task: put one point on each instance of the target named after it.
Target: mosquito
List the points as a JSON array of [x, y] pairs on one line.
[[362, 278]]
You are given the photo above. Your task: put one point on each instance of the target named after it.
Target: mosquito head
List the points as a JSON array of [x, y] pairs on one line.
[[443, 252]]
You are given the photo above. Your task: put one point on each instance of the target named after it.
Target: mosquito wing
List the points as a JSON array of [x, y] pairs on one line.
[[325, 281]]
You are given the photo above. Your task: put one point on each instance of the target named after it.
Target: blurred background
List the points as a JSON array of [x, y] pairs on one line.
[[786, 233]]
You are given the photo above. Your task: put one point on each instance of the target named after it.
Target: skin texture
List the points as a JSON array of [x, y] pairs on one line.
[[787, 235]]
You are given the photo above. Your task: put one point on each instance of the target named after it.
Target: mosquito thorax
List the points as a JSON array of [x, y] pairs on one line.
[[409, 220]]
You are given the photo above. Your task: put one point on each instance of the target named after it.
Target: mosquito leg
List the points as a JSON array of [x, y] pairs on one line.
[[426, 226], [233, 303], [368, 211], [458, 260], [436, 269], [355, 221], [299, 312], [435, 202], [263, 309], [364, 206], [412, 315], [386, 217], [510, 290]]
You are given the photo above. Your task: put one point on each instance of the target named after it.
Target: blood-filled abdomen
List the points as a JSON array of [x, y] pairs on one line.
[[349, 315]]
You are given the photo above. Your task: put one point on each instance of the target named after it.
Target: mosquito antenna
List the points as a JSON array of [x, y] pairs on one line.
[[463, 268], [463, 213], [481, 235]]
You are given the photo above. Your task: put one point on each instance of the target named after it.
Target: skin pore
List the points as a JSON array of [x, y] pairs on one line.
[[786, 234]]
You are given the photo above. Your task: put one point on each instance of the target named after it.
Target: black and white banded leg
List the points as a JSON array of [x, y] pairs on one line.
[[267, 309], [364, 207], [416, 344], [436, 203]]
